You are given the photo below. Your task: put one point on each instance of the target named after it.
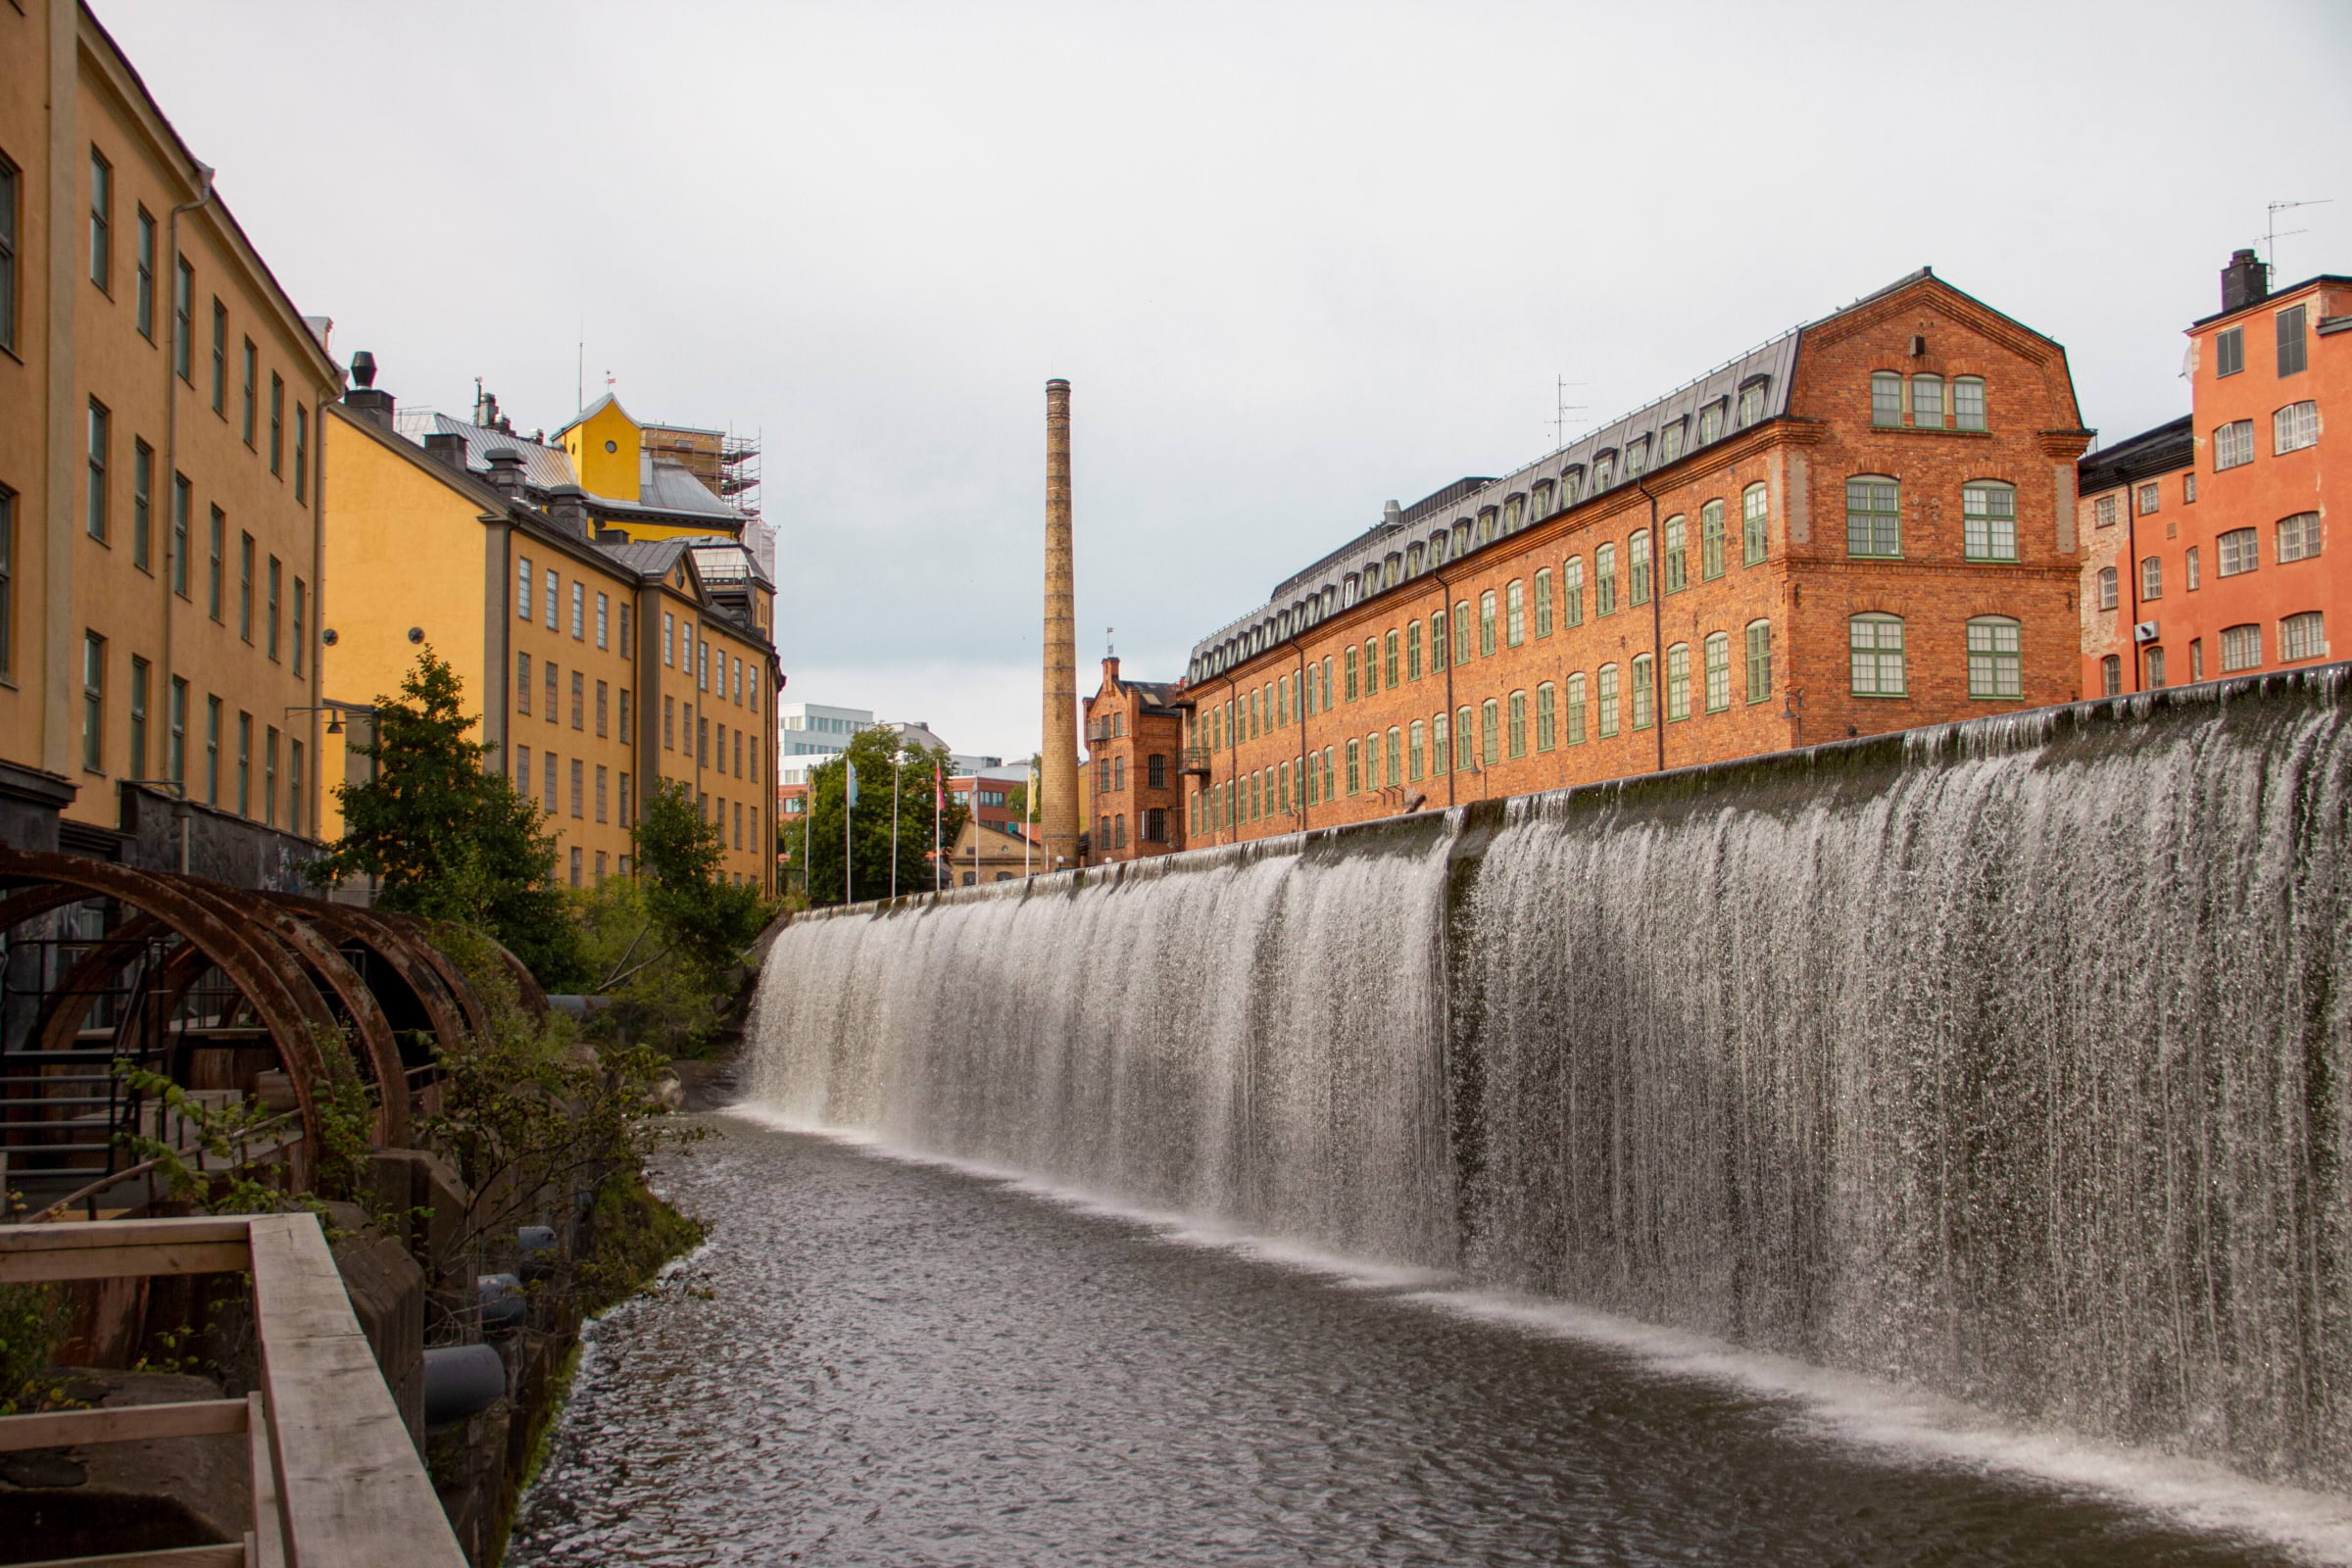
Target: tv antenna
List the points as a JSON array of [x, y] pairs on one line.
[[2270, 235], [1561, 409]]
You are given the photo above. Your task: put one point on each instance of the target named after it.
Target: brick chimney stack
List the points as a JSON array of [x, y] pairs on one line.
[[1057, 762]]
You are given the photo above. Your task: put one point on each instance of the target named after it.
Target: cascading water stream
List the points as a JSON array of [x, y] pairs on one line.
[[2005, 1059]]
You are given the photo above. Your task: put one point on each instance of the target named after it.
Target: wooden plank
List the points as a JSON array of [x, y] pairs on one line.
[[227, 1555], [55, 1237], [127, 1423], [354, 1492], [266, 1541], [88, 1263]]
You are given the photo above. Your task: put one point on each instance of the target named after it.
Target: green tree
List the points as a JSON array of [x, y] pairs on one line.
[[445, 838], [882, 761], [708, 918]]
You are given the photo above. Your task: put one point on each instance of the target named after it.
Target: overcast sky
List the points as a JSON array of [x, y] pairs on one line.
[[1297, 259]]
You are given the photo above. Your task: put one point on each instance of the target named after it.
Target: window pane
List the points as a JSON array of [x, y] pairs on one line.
[[1988, 522], [1873, 517], [1875, 647], [1995, 659]]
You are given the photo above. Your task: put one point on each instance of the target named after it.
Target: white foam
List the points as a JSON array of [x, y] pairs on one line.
[[1843, 1407]]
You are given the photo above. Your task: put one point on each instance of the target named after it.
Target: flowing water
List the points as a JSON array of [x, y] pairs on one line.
[[2004, 1061]]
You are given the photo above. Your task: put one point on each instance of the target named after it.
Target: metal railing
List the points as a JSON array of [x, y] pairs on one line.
[[337, 1483], [1194, 759]]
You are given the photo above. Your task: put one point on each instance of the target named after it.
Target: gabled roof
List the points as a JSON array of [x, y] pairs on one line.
[[595, 408]]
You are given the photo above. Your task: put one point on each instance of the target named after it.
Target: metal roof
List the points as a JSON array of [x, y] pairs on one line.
[[665, 486], [1385, 557], [543, 466]]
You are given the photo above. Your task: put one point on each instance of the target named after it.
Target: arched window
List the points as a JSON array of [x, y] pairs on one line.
[[1416, 750], [1718, 671], [1355, 779], [1988, 519], [1396, 754], [1926, 401], [1464, 757], [1461, 631], [1755, 523], [1605, 699], [1543, 600], [1436, 639], [1886, 397], [1486, 624], [2242, 647], [1371, 665], [1874, 517], [1996, 663], [1514, 612], [1388, 659], [2151, 578], [1576, 709], [1413, 650], [1440, 750], [1572, 592], [1643, 696], [2107, 588], [2295, 427], [1330, 776], [1489, 732], [1604, 580], [1678, 571], [1968, 401], [1518, 715], [2303, 635], [1759, 660], [1678, 682], [1875, 644], [1710, 541], [1636, 552], [1548, 699], [2111, 676]]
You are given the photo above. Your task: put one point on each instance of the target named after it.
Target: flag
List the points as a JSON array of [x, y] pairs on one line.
[[853, 767]]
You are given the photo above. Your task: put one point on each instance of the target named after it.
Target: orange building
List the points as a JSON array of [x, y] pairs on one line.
[[1866, 524], [2224, 568], [1134, 794]]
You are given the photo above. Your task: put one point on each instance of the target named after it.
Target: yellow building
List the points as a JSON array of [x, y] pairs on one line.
[[160, 557], [600, 661]]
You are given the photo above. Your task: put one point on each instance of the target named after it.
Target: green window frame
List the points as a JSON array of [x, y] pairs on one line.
[[101, 433], [1413, 650], [1371, 666], [1416, 747], [1678, 683], [1437, 640], [1876, 655], [1572, 591], [1968, 401], [219, 358], [1396, 756], [1486, 624], [1606, 700], [1642, 698], [1678, 556], [1355, 767], [1759, 660], [1710, 541], [1548, 698], [1489, 732], [1440, 747], [1514, 614], [1874, 517], [1718, 656], [1756, 525], [1389, 659], [142, 507], [1605, 579], [1996, 660], [1576, 709], [1637, 564], [1988, 519], [216, 567], [1347, 664], [1886, 397], [1517, 712], [1543, 602], [1465, 759], [1461, 631]]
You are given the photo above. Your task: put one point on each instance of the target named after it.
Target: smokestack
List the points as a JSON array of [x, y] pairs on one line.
[[1058, 763]]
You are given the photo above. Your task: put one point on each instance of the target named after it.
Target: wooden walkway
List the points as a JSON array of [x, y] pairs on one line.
[[337, 1483]]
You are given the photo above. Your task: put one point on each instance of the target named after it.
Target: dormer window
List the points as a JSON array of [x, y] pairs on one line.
[[1348, 589], [1751, 400], [1461, 536], [1412, 559], [1486, 526], [1514, 513], [1437, 549], [1636, 456], [1670, 441], [1572, 485], [1395, 569], [1604, 468], [1539, 503], [1710, 422]]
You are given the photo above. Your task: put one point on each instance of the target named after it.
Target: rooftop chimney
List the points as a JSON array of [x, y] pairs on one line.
[[485, 408], [445, 447], [568, 505], [364, 398], [505, 472], [2244, 281], [1057, 750]]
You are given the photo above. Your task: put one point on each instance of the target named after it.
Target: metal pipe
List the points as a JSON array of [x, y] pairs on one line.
[[177, 547], [1657, 596]]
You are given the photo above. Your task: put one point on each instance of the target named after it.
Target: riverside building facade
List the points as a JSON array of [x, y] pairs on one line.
[[2213, 553], [1133, 784], [1866, 524], [602, 664], [160, 571]]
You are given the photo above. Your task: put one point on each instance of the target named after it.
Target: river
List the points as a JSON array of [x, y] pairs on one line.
[[883, 1360]]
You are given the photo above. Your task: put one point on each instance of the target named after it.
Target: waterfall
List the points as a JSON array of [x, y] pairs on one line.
[[2004, 1059]]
